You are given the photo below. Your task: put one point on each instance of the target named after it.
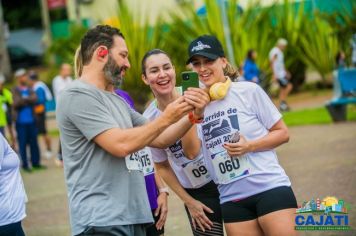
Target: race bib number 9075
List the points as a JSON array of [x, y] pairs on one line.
[[146, 161]]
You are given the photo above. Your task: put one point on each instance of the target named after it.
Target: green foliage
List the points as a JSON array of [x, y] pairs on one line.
[[140, 37], [343, 24], [252, 30], [247, 30], [318, 47], [313, 39], [64, 48]]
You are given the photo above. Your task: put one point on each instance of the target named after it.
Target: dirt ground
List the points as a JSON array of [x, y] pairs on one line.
[[320, 161]]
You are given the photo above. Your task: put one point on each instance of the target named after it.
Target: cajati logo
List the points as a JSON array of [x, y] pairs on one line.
[[329, 213]]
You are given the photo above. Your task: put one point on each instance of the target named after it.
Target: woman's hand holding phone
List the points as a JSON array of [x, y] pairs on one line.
[[194, 95], [198, 98]]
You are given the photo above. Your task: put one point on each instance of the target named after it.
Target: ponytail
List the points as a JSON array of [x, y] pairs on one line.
[[78, 63], [231, 72]]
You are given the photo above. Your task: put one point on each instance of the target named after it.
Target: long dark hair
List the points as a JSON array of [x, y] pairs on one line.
[[250, 54], [150, 53]]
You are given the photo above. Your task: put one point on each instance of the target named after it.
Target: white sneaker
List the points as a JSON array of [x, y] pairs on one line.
[[48, 155]]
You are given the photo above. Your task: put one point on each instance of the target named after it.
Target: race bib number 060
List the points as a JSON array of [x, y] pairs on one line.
[[230, 169]]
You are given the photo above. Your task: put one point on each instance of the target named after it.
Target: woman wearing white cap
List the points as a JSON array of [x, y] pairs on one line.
[[240, 129]]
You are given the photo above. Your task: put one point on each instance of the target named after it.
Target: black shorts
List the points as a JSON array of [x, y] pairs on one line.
[[283, 82], [209, 196], [152, 230], [258, 205], [41, 123]]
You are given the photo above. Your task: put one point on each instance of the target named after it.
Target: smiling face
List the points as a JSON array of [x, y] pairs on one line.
[[209, 71], [159, 74]]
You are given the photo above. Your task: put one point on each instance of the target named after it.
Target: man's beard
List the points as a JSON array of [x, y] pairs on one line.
[[112, 73]]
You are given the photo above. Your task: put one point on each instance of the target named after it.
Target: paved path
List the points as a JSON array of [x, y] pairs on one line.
[[320, 160]]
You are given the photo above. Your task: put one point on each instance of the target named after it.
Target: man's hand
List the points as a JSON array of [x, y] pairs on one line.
[[198, 98], [163, 208], [196, 210], [176, 110]]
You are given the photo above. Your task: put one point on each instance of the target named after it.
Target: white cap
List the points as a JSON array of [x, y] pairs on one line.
[[282, 42], [20, 72]]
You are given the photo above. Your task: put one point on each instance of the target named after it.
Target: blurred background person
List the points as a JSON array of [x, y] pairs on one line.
[[59, 83], [62, 80], [340, 63], [280, 74], [12, 193], [340, 60], [353, 54], [5, 111], [43, 94], [251, 71], [23, 114]]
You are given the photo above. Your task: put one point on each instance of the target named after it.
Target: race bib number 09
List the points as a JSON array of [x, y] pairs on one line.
[[197, 172], [229, 169]]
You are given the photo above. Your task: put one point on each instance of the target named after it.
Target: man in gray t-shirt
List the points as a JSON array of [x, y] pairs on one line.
[[100, 135]]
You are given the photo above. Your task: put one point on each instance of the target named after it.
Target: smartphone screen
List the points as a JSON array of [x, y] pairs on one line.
[[189, 79]]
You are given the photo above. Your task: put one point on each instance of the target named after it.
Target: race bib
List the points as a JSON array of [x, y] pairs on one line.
[[133, 162], [229, 169], [196, 172], [146, 161]]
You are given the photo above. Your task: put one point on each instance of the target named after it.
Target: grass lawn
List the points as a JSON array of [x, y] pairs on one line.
[[315, 116]]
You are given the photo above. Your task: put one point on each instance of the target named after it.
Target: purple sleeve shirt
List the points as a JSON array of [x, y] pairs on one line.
[[126, 97]]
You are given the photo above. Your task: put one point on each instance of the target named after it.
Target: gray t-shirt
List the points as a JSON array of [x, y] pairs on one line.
[[101, 190]]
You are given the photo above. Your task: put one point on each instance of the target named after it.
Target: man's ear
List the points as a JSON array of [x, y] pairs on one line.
[[102, 51]]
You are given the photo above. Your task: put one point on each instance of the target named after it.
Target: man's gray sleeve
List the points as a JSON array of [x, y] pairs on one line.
[[90, 115]]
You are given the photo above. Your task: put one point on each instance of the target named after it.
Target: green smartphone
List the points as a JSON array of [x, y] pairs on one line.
[[189, 79]]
